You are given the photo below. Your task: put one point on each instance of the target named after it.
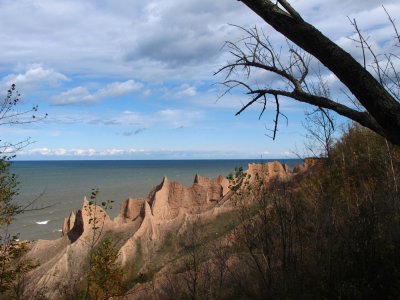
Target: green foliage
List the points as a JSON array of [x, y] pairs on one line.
[[333, 232], [141, 278], [133, 270], [12, 266], [105, 275], [237, 178], [168, 244], [8, 190], [96, 218]]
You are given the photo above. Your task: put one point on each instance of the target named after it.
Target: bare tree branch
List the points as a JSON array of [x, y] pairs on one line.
[[361, 41], [391, 20], [294, 72], [382, 110], [10, 115], [258, 96]]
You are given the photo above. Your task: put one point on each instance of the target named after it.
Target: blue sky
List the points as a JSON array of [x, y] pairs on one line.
[[134, 79]]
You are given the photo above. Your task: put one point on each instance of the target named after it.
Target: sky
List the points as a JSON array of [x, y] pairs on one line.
[[135, 79]]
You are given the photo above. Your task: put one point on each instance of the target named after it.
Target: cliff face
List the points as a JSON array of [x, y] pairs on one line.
[[269, 171], [172, 199], [130, 211], [170, 207]]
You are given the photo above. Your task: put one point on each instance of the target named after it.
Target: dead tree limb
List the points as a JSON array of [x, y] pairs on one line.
[[382, 109]]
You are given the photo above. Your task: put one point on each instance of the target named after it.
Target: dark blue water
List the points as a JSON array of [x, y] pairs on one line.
[[59, 186]]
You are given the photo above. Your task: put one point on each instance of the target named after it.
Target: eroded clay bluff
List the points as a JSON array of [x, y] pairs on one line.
[[145, 222]]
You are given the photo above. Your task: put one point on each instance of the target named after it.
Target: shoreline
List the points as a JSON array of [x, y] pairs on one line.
[[65, 183]]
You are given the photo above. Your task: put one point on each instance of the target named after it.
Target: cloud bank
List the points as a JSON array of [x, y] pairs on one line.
[[81, 94]]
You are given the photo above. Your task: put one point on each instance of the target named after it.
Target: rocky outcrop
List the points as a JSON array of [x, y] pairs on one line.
[[130, 210], [84, 220], [216, 187], [171, 198], [269, 171], [68, 224], [141, 225]]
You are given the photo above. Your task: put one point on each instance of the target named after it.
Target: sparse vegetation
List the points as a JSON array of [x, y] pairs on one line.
[[331, 232], [138, 256], [105, 276], [12, 265]]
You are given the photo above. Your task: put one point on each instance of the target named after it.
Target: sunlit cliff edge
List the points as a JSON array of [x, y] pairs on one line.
[[141, 230]]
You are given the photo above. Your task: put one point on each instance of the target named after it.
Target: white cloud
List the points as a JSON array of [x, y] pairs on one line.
[[176, 31], [118, 89], [165, 118], [34, 76], [177, 118], [82, 95], [60, 151], [77, 152], [186, 91], [44, 151], [153, 39], [113, 151], [288, 154], [125, 153], [157, 40], [147, 93], [78, 94], [83, 152]]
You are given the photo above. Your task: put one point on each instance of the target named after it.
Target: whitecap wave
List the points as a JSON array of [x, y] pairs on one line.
[[42, 222]]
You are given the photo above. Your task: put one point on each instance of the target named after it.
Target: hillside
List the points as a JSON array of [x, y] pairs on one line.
[[146, 232], [327, 229]]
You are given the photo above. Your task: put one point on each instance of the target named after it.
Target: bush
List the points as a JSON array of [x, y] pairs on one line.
[[105, 274], [333, 232]]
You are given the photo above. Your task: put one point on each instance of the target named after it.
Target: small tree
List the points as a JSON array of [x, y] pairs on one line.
[[193, 249], [12, 266], [320, 126], [105, 275], [97, 218]]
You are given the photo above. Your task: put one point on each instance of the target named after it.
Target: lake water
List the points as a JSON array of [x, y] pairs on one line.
[[61, 185]]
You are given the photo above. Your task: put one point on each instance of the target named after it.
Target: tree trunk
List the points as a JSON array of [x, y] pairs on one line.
[[369, 92]]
